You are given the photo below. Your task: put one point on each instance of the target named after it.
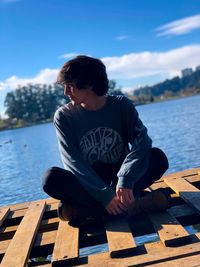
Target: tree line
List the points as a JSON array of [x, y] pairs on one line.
[[33, 103], [176, 86]]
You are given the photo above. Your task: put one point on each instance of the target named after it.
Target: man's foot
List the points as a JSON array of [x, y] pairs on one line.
[[65, 211], [155, 201], [77, 216]]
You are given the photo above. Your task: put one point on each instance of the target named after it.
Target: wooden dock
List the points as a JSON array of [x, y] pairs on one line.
[[32, 235]]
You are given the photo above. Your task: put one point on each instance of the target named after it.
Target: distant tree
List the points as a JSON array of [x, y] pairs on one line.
[[114, 89], [32, 103], [174, 86]]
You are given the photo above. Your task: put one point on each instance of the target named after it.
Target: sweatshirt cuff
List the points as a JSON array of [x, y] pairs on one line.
[[125, 182]]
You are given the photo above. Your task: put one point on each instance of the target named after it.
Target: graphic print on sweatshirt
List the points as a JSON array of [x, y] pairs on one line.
[[101, 144]]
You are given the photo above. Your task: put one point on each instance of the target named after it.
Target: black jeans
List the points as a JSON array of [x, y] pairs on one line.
[[63, 185]]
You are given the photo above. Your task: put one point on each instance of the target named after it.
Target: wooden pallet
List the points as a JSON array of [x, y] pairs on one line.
[[32, 230]]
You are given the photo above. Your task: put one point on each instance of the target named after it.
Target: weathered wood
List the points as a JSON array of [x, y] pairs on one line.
[[181, 211], [3, 246], [191, 177], [45, 238], [42, 239], [21, 211], [154, 254], [3, 213], [168, 228], [66, 244], [187, 191], [46, 225], [18, 251], [52, 236], [192, 261], [120, 238], [185, 173], [159, 184], [25, 205]]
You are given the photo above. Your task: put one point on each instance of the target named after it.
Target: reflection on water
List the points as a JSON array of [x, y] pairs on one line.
[[93, 250]]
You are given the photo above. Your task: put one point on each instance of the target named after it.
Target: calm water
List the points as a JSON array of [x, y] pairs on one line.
[[26, 153]]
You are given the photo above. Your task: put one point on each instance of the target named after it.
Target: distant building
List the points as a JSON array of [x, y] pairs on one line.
[[186, 72], [198, 67]]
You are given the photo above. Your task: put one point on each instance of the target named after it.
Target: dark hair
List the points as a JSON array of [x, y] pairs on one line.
[[85, 71]]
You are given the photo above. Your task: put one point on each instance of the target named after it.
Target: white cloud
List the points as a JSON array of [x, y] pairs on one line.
[[144, 64], [47, 76], [72, 55], [140, 67], [122, 37], [179, 27], [69, 55]]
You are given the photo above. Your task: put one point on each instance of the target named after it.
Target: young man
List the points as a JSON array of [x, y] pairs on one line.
[[106, 152]]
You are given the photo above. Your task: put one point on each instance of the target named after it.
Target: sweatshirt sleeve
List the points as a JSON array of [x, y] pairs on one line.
[[74, 162], [136, 162]]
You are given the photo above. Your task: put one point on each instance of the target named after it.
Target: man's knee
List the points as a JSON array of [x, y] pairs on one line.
[[160, 159], [50, 178]]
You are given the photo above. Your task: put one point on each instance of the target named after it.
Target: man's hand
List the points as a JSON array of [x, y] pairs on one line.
[[125, 196], [115, 206]]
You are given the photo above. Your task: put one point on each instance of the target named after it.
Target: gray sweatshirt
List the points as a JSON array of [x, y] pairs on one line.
[[113, 134]]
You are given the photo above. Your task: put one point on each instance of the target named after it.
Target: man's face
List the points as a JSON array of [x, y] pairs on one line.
[[76, 95]]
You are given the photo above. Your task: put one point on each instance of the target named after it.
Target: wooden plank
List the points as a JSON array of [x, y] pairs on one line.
[[45, 225], [193, 178], [187, 191], [20, 212], [19, 249], [46, 238], [192, 261], [168, 228], [185, 173], [181, 210], [25, 205], [157, 185], [3, 214], [155, 254], [66, 247], [120, 238], [42, 239]]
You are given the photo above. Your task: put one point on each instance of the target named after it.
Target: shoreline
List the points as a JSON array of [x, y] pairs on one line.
[[18, 126]]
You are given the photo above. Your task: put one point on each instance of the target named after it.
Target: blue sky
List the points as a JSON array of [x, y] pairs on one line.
[[142, 42]]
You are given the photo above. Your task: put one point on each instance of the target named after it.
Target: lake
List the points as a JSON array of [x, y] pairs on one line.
[[26, 153]]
